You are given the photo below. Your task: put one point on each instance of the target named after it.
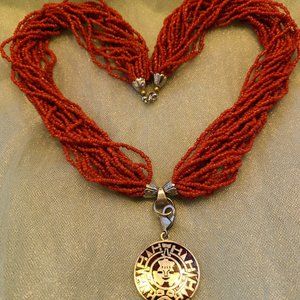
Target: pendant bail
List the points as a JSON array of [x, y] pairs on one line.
[[165, 208]]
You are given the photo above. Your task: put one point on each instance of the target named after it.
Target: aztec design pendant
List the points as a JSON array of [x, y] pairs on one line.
[[166, 271]]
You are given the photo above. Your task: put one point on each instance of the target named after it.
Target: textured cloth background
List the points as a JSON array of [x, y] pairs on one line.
[[64, 238]]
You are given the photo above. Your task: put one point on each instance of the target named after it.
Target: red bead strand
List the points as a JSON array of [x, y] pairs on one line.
[[213, 161], [215, 158]]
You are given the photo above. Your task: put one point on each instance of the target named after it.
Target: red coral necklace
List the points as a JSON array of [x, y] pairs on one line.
[[165, 270]]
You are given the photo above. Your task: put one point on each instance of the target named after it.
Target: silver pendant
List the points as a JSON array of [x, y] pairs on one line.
[[166, 270]]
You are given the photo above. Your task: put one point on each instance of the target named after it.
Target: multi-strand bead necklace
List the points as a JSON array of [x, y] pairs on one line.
[[170, 272]]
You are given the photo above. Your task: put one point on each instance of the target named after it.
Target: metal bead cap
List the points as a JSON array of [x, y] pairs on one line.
[[139, 84], [160, 79], [170, 189], [151, 190]]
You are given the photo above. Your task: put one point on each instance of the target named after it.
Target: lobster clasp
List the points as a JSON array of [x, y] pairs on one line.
[[165, 208]]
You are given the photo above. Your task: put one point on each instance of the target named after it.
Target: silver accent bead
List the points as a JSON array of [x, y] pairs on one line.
[[139, 84], [145, 99], [152, 97], [160, 79]]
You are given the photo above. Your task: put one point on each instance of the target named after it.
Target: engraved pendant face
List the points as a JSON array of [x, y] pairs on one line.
[[166, 271]]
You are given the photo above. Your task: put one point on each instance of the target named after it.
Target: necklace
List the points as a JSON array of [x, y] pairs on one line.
[[166, 269]]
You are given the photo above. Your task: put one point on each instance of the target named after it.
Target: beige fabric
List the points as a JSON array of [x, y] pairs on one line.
[[64, 238]]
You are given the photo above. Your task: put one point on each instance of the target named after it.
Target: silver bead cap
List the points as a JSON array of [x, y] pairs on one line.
[[139, 84], [151, 190], [160, 79], [170, 189]]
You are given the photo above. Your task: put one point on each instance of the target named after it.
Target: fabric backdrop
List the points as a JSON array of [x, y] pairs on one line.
[[64, 238]]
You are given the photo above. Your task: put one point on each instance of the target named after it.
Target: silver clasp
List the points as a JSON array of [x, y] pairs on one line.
[[165, 209], [140, 85]]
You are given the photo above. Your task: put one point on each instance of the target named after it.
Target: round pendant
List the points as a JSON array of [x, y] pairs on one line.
[[166, 271]]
